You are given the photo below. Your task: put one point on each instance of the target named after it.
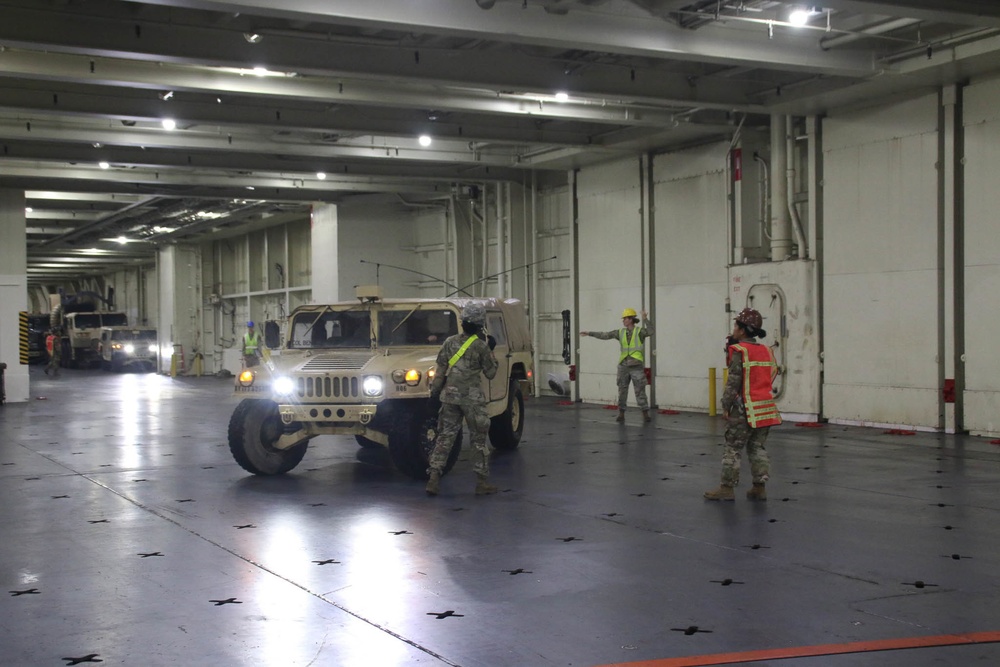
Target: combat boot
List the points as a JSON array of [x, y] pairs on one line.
[[483, 487], [757, 492], [722, 493], [621, 416], [645, 416], [433, 483]]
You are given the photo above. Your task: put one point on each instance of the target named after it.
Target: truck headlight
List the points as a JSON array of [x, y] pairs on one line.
[[372, 385], [152, 348], [129, 348], [283, 385], [410, 376]]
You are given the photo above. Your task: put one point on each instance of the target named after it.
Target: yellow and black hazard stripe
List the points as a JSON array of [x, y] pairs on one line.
[[22, 322]]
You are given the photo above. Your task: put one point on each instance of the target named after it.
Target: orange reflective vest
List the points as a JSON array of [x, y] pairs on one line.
[[758, 373]]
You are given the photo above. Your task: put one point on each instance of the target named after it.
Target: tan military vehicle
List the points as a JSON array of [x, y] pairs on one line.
[[123, 347], [364, 368]]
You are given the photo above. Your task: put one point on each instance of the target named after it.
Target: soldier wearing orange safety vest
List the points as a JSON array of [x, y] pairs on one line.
[[748, 405]]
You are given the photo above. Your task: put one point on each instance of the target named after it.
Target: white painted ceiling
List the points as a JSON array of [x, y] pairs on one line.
[[351, 84]]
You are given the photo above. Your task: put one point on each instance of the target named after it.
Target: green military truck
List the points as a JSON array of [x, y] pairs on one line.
[[364, 368]]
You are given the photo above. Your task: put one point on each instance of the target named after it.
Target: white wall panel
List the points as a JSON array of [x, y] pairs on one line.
[[555, 284], [609, 239], [691, 253], [881, 261], [378, 234], [982, 257]]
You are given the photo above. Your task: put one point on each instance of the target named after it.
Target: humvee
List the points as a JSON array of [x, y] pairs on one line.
[[124, 347], [364, 368]]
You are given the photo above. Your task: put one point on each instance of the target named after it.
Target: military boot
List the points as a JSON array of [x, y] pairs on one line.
[[757, 492], [645, 416], [722, 493], [433, 483], [483, 487], [621, 416]]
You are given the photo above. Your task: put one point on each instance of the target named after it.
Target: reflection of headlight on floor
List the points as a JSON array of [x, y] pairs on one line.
[[283, 385], [129, 348], [372, 385]]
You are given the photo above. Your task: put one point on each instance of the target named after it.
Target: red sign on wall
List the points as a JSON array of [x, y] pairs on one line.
[[737, 164]]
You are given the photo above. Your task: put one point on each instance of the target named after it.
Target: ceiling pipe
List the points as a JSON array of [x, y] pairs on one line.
[[873, 30]]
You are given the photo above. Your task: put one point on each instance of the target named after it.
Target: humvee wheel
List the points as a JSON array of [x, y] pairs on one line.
[[411, 441], [507, 427], [254, 427]]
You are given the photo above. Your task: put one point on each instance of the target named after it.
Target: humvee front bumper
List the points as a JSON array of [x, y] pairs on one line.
[[358, 414]]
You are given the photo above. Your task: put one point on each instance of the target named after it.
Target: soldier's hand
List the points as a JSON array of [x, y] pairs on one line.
[[491, 341], [584, 333]]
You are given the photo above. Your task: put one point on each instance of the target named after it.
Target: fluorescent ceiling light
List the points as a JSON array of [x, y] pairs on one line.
[[103, 165], [168, 123], [562, 97], [424, 140], [320, 175], [799, 16], [122, 240]]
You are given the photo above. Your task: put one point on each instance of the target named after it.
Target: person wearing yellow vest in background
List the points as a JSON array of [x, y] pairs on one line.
[[631, 362], [457, 394], [748, 407], [251, 343]]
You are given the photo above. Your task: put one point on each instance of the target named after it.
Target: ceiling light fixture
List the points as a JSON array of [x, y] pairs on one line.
[[122, 240], [562, 97], [28, 209], [104, 165], [253, 37], [424, 140], [167, 95], [799, 17], [169, 123], [321, 175]]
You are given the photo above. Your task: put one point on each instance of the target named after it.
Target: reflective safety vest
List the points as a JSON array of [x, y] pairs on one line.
[[630, 348], [758, 369], [461, 351], [250, 343]]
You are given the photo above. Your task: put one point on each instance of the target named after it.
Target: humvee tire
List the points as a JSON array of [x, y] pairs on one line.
[[253, 428], [411, 441], [506, 428], [365, 442]]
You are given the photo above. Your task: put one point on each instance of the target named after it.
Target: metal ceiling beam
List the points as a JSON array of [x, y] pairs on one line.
[[615, 27], [983, 13], [71, 30], [171, 77]]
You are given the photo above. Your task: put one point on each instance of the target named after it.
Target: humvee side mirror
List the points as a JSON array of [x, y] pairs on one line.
[[272, 335]]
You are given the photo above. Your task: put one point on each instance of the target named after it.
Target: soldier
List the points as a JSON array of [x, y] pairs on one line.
[[53, 345], [631, 363], [251, 341], [748, 406], [460, 361]]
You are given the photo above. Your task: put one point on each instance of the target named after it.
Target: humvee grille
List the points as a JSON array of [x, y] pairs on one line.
[[328, 387], [341, 362]]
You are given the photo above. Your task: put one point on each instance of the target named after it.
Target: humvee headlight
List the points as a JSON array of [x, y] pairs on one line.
[[372, 385], [399, 376], [129, 348], [283, 385], [246, 378], [152, 348], [116, 346]]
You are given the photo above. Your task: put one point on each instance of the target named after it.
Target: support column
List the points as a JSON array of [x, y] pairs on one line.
[[325, 248], [13, 291], [951, 299], [781, 224]]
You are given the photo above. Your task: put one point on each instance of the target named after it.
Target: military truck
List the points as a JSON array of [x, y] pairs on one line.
[[121, 348], [82, 336], [364, 368]]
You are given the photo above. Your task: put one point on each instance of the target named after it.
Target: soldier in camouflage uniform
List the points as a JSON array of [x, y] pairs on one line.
[[460, 361], [631, 363], [748, 406]]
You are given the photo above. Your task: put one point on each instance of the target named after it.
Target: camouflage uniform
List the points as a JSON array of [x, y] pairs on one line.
[[461, 397], [739, 433], [630, 369]]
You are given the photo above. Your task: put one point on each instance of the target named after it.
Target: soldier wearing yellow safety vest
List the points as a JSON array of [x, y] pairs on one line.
[[748, 405], [631, 362], [251, 343], [460, 361]]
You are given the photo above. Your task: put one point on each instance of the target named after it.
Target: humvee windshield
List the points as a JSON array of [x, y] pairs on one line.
[[136, 336], [114, 319], [352, 328]]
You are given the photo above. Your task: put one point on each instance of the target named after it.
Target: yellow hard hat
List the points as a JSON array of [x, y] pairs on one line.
[[628, 312]]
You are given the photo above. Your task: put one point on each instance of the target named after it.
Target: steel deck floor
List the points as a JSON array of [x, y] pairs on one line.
[[130, 536]]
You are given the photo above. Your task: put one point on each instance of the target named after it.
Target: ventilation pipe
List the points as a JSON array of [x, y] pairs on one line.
[[793, 213], [781, 227]]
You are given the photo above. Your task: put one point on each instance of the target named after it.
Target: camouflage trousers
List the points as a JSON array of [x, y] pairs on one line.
[[450, 423], [637, 375], [740, 435]]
